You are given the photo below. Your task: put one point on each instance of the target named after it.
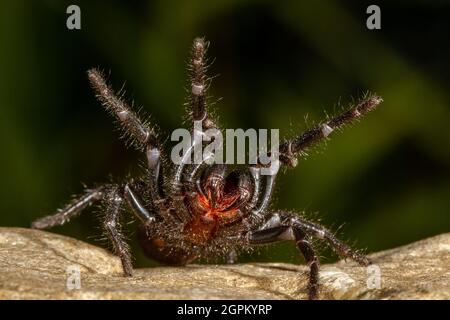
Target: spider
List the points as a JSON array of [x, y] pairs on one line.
[[200, 210]]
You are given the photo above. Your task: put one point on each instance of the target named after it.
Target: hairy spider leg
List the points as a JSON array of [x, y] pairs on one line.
[[280, 226], [144, 137], [197, 98], [275, 231], [196, 105], [112, 226], [305, 246], [71, 210], [290, 149], [112, 196]]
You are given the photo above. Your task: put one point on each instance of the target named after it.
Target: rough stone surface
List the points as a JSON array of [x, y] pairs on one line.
[[34, 265]]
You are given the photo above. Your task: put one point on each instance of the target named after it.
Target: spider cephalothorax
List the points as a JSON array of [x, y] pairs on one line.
[[199, 210]]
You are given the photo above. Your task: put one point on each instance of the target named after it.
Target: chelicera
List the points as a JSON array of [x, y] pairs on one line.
[[189, 211]]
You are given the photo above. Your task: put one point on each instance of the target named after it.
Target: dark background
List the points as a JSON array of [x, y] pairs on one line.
[[386, 178]]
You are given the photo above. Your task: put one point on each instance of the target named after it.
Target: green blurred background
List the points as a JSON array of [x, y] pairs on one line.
[[387, 177]]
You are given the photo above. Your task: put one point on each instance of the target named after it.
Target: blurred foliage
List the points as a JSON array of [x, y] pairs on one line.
[[387, 177]]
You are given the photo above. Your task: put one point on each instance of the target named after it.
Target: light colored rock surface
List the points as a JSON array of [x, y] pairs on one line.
[[34, 265]]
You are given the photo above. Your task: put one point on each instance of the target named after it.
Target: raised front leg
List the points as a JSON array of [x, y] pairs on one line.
[[137, 131], [197, 109], [199, 84], [290, 149]]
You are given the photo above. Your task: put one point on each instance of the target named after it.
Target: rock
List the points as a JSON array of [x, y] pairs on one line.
[[41, 265]]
